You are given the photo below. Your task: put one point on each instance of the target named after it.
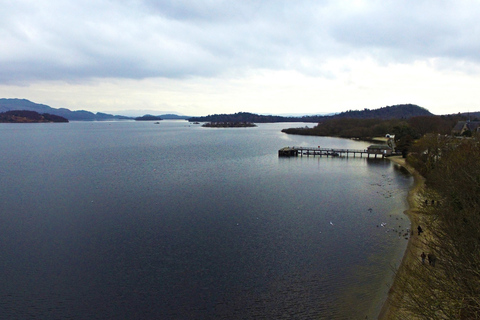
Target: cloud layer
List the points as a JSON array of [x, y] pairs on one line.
[[73, 40], [240, 54]]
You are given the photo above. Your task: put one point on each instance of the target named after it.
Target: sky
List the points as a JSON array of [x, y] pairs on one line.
[[206, 57]]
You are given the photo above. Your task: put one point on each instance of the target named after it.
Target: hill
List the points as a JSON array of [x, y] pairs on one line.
[[148, 117], [402, 111], [25, 116], [23, 104]]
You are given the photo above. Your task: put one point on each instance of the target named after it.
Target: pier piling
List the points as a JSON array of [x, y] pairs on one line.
[[331, 152]]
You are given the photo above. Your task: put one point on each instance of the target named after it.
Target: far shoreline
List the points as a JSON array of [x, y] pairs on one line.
[[388, 310]]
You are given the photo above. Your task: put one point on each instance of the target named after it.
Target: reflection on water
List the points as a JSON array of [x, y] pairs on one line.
[[133, 220]]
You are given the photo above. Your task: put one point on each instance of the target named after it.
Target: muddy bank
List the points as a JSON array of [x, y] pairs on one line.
[[412, 252]]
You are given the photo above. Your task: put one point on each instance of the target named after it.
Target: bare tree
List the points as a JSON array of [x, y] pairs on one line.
[[450, 287]]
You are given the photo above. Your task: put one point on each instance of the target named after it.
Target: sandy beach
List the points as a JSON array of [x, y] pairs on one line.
[[412, 252]]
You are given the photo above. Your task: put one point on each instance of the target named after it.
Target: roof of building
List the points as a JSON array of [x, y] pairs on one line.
[[459, 126], [466, 125]]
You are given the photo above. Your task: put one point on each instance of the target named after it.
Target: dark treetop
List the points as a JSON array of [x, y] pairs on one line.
[[24, 116]]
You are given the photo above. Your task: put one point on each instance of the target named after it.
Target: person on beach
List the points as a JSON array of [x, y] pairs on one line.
[[423, 256], [420, 230], [431, 259]]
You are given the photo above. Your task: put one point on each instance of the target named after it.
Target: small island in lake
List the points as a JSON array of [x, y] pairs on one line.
[[148, 117], [25, 116], [229, 124]]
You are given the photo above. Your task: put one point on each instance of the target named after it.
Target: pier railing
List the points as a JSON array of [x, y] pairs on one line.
[[329, 152]]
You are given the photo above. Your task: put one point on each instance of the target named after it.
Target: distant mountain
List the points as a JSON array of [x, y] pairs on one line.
[[163, 114], [23, 104], [171, 116], [403, 111]]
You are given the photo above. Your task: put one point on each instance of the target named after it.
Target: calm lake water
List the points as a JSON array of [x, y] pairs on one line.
[[132, 220]]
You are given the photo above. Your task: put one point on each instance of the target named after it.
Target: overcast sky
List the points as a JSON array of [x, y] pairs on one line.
[[270, 57]]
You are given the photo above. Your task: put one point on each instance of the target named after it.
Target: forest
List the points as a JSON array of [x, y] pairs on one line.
[[24, 116], [405, 130], [401, 111], [450, 288]]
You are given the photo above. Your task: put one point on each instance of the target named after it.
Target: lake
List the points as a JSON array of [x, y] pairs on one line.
[[136, 220]]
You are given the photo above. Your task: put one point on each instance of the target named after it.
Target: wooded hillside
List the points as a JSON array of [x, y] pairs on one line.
[[24, 116], [404, 111], [367, 128]]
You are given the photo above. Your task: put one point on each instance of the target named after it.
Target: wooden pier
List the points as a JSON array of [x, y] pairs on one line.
[[328, 152]]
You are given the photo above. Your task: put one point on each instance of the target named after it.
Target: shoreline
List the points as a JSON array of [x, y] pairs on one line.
[[388, 311]]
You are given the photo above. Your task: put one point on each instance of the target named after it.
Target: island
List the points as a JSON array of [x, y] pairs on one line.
[[229, 125], [25, 116], [148, 117]]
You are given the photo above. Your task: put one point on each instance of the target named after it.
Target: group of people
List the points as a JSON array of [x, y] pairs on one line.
[[432, 259]]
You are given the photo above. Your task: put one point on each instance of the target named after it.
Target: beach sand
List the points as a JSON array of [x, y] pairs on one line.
[[413, 250]]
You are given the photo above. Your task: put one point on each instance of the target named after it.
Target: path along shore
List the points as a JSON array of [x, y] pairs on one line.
[[413, 250]]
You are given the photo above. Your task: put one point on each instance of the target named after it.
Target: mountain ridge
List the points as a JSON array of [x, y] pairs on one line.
[[82, 115], [12, 104], [401, 111]]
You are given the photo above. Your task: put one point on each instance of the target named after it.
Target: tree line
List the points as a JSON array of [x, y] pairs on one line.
[[401, 111], [25, 116], [405, 130], [451, 289]]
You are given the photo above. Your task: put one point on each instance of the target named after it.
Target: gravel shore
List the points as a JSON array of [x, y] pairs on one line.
[[412, 252]]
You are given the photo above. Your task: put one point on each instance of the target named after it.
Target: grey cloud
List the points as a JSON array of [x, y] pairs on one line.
[[69, 40], [204, 11], [413, 30]]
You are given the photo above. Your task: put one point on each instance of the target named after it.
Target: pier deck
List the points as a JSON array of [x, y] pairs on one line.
[[328, 152]]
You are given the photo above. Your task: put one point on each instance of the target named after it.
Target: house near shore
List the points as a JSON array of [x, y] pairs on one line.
[[382, 149], [463, 127]]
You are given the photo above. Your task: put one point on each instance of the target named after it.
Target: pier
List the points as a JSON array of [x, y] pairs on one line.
[[375, 150]]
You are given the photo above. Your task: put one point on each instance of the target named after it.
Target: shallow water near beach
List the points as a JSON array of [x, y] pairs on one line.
[[133, 220]]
